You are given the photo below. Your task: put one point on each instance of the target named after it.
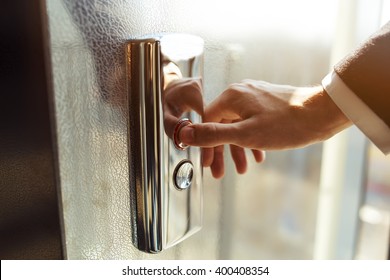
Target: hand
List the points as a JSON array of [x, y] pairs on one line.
[[263, 116], [180, 95]]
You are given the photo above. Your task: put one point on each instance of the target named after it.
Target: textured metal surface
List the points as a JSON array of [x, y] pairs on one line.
[[87, 52]]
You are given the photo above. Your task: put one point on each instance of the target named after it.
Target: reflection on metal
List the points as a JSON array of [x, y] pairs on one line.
[[164, 85]]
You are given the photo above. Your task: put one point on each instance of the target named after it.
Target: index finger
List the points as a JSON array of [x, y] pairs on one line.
[[213, 134]]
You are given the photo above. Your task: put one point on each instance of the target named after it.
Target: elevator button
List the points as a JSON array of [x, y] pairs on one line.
[[184, 172], [176, 134]]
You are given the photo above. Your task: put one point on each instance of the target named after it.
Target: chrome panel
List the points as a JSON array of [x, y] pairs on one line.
[[164, 82]]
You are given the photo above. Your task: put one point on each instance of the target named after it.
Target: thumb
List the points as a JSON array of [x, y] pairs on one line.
[[210, 134]]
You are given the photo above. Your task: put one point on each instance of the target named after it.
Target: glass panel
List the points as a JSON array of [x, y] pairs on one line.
[[270, 212], [374, 215], [275, 207]]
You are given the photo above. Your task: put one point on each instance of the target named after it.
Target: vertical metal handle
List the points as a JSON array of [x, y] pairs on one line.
[[165, 213]]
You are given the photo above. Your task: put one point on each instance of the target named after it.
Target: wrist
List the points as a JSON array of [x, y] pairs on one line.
[[322, 116]]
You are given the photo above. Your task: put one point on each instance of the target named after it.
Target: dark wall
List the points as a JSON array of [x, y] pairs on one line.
[[29, 216]]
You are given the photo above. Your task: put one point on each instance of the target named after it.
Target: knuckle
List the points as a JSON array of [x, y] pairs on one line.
[[234, 89]]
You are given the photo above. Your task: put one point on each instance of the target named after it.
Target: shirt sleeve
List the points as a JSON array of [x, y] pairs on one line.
[[358, 111], [360, 86]]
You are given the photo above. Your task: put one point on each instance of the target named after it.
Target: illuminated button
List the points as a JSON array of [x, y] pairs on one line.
[[184, 172]]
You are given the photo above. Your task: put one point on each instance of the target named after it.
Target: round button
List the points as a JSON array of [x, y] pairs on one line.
[[176, 134], [182, 177]]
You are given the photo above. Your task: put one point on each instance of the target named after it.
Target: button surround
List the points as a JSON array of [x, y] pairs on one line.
[[176, 134]]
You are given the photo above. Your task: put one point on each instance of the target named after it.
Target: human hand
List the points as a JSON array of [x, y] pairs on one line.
[[263, 116], [180, 96]]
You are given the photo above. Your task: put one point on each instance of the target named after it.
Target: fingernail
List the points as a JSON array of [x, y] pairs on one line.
[[187, 135]]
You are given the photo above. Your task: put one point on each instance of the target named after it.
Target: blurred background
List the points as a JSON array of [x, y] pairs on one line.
[[328, 200], [325, 201]]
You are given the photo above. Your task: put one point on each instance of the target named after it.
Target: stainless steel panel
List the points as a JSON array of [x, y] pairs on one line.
[[164, 79]]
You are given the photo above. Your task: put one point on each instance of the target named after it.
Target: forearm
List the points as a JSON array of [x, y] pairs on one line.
[[321, 118]]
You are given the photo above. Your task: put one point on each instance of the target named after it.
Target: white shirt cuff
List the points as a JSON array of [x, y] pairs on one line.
[[358, 112]]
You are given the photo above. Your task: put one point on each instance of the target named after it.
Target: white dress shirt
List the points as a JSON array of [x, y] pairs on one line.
[[358, 112]]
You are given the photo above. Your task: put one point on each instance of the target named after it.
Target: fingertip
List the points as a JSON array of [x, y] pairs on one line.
[[217, 174], [218, 167], [187, 135], [241, 169], [259, 156], [207, 156], [239, 158]]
